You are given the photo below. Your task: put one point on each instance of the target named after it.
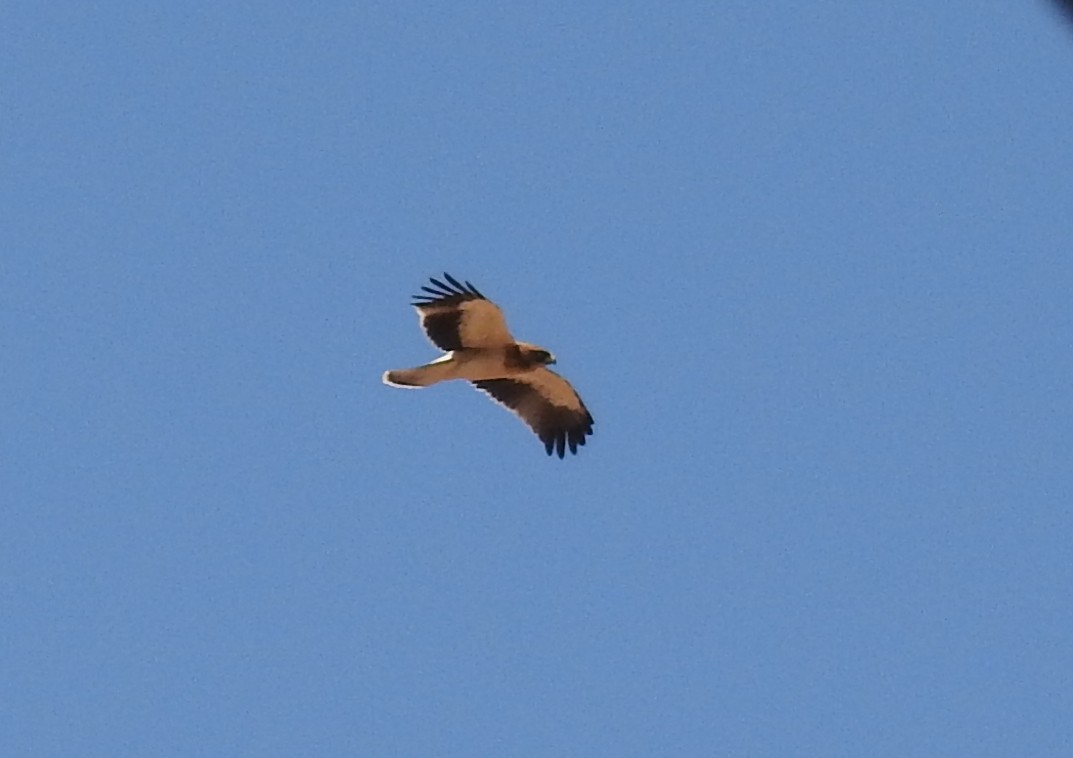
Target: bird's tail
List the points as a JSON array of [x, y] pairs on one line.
[[423, 376]]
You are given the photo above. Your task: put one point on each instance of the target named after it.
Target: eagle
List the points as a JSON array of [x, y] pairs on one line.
[[479, 349]]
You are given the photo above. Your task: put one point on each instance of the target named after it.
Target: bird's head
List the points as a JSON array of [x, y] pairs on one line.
[[539, 355]]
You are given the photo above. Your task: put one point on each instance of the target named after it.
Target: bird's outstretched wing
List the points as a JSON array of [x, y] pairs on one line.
[[547, 404], [456, 315]]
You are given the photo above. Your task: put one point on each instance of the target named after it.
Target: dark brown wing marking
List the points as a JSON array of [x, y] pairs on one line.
[[547, 404]]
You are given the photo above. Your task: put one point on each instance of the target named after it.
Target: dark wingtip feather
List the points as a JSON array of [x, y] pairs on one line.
[[443, 291], [1064, 7]]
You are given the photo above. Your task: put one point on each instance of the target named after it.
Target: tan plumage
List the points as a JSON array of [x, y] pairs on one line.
[[480, 349]]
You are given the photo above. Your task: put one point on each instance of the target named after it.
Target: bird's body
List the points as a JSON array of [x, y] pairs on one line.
[[480, 349], [472, 364]]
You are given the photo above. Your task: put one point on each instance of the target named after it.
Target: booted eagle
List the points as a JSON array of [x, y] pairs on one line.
[[471, 329]]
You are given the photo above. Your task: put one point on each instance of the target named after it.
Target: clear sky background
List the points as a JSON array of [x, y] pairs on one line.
[[809, 264]]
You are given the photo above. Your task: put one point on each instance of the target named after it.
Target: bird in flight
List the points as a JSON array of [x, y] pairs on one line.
[[479, 349]]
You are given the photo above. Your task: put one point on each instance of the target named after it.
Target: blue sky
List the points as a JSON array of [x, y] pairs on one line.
[[808, 264]]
